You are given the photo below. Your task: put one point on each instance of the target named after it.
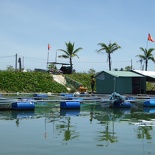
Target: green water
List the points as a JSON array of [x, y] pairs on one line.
[[90, 130]]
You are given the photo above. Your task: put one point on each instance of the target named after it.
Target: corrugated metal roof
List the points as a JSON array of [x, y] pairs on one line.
[[153, 76], [146, 73], [123, 74]]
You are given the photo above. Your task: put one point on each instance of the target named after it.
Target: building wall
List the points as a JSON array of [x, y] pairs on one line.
[[107, 84], [124, 85], [104, 83]]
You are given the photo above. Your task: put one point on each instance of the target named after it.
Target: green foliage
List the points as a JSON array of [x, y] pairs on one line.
[[52, 67], [10, 68], [109, 49], [69, 53], [150, 86], [148, 55], [33, 82], [91, 71], [128, 68], [29, 82]]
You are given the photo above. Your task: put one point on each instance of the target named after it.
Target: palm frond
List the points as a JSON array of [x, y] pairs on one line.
[[69, 52], [64, 51], [110, 48], [63, 56], [147, 56]]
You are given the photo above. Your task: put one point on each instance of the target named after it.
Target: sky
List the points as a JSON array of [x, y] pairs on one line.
[[27, 26]]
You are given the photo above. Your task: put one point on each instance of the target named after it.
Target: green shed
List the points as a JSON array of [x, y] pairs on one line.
[[122, 82]]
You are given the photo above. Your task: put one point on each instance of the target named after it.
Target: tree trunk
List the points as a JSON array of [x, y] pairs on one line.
[[109, 59], [71, 65], [146, 63]]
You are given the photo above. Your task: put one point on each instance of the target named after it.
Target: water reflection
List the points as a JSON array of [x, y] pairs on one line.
[[11, 114], [101, 123], [143, 132], [69, 112], [107, 134]]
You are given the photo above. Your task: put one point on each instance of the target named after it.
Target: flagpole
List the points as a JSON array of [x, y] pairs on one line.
[[146, 44], [47, 59], [48, 48], [147, 41]]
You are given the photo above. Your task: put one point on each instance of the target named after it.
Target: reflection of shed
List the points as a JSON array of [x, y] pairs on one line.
[[121, 82]]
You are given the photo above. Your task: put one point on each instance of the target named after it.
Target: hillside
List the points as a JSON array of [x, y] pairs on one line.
[[36, 82], [28, 82], [79, 78]]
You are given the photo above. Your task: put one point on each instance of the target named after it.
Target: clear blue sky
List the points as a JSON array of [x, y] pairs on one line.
[[27, 26]]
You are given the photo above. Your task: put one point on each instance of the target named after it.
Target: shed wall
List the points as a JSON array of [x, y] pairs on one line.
[[124, 85], [105, 83], [108, 83]]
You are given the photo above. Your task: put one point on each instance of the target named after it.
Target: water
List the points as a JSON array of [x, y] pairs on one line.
[[91, 130]]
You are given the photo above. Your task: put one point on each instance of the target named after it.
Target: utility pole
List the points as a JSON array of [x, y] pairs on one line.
[[16, 62], [20, 66], [23, 64], [131, 64]]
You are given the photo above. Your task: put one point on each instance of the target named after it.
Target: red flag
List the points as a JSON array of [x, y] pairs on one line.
[[150, 38], [49, 46]]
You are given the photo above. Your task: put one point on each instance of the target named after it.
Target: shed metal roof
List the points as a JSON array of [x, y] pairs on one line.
[[124, 74], [150, 75], [146, 73]]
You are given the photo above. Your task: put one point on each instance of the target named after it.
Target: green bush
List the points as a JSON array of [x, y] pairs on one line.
[[29, 82]]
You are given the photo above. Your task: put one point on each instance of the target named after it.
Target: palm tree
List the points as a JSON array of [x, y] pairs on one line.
[[69, 53], [109, 49], [147, 56]]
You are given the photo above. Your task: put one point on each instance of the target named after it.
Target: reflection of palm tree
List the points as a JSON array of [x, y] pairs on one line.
[[17, 122], [67, 134], [106, 135], [66, 128], [144, 132]]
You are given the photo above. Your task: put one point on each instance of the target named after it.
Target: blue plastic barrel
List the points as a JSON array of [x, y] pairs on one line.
[[22, 114], [149, 110], [70, 104], [67, 95], [40, 96], [124, 104], [69, 112], [62, 94], [130, 98], [23, 106], [149, 103]]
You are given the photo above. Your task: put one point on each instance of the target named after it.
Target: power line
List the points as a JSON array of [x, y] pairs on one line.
[[35, 59], [7, 61], [100, 61], [7, 56]]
